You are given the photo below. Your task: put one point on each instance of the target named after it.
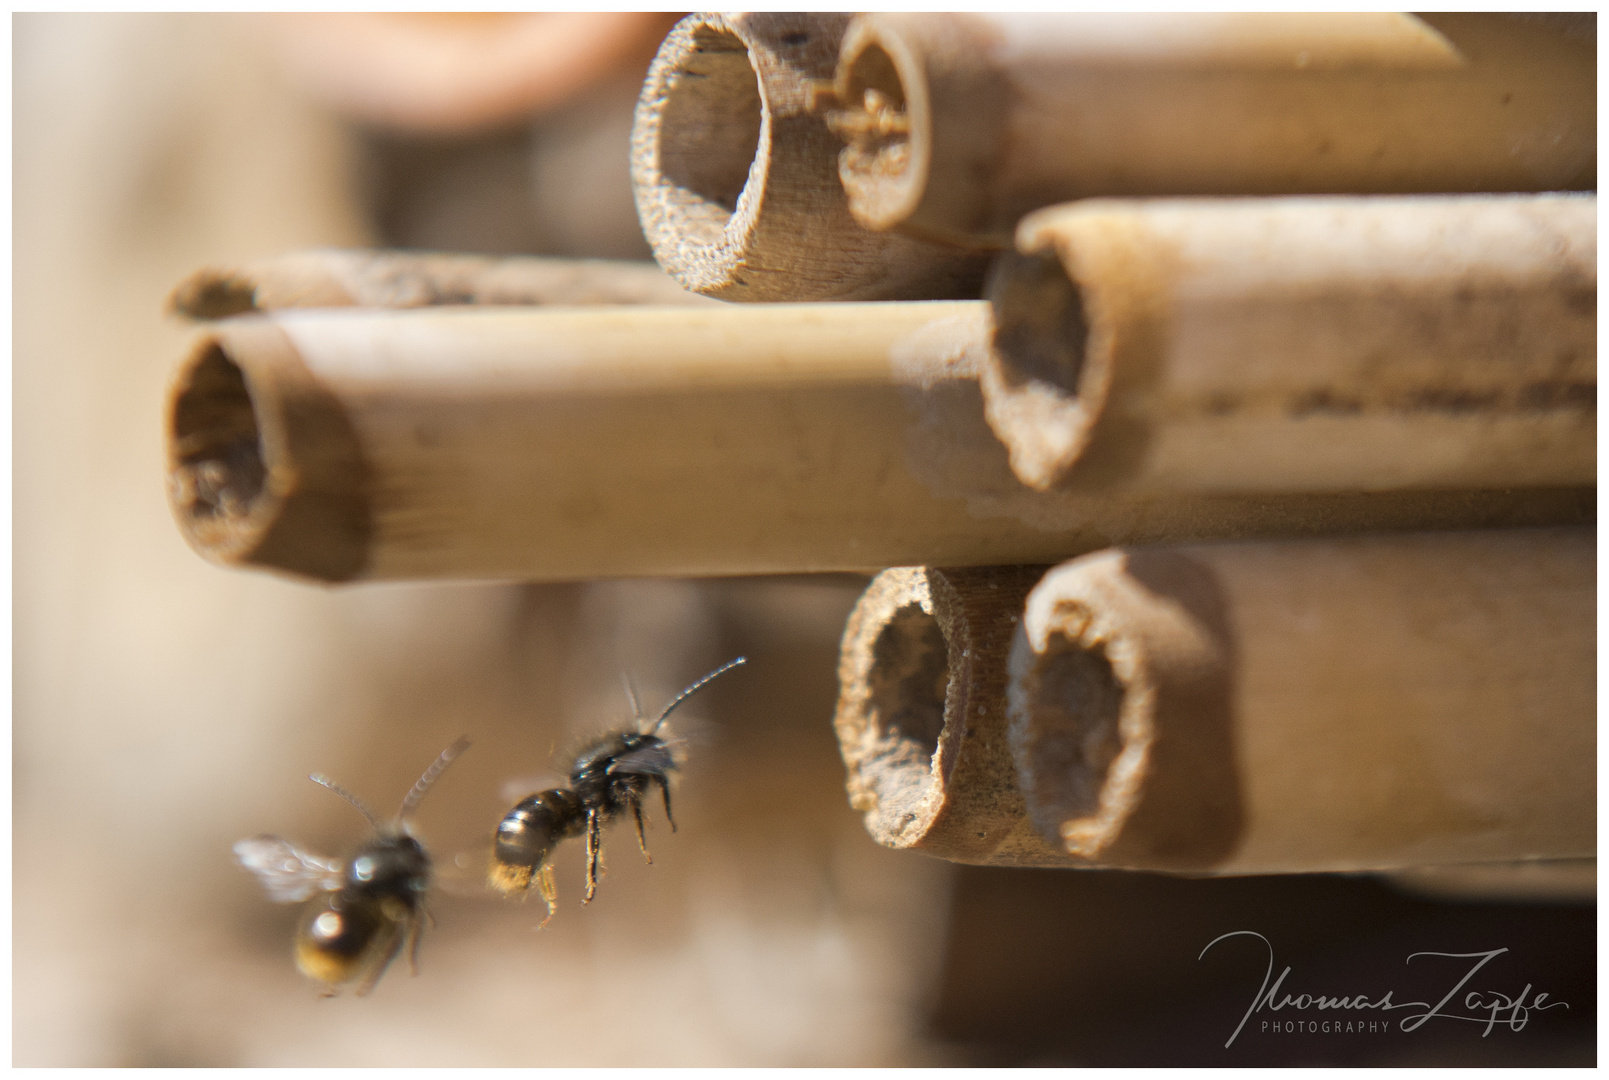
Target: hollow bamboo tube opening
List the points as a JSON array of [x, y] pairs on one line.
[[1044, 386], [711, 131], [214, 293], [922, 113], [736, 179], [1320, 705], [905, 712], [264, 465], [1084, 697], [882, 167], [1298, 344], [219, 471], [1077, 736], [1041, 332], [921, 715]]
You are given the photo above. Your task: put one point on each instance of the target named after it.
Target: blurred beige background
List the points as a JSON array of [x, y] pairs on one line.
[[164, 708]]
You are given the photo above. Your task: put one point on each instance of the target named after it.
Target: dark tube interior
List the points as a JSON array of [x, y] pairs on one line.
[[710, 131], [1075, 733], [1041, 330], [908, 680], [212, 294], [872, 119], [218, 458]]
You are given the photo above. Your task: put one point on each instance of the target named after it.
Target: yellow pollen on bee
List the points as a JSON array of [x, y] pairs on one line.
[[510, 879], [317, 962]]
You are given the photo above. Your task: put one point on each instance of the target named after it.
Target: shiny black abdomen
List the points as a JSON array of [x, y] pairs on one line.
[[530, 831]]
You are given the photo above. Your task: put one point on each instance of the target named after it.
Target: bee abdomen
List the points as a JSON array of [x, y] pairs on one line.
[[528, 834], [336, 938]]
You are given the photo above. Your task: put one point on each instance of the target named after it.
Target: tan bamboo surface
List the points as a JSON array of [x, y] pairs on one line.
[[331, 277], [1300, 344], [1569, 881], [921, 716], [570, 443], [958, 124], [737, 181], [1318, 705]]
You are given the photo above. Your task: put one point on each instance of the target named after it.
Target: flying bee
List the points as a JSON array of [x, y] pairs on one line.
[[611, 775], [362, 911]]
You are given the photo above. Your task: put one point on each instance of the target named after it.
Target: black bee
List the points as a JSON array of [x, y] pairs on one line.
[[611, 775], [363, 911]]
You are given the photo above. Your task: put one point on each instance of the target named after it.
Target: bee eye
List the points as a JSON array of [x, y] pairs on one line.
[[363, 868], [327, 926]]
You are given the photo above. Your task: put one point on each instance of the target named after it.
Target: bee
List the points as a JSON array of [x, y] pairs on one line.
[[611, 775], [362, 912]]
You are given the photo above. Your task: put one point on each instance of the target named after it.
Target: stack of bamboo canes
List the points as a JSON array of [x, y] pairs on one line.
[[1322, 454]]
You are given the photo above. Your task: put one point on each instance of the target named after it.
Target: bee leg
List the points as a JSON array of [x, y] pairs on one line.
[[642, 844], [379, 968], [415, 932], [664, 789], [594, 844], [549, 890]]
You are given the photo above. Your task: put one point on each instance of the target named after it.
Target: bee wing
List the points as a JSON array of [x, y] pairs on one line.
[[287, 873], [656, 760], [466, 874], [690, 730], [517, 788]]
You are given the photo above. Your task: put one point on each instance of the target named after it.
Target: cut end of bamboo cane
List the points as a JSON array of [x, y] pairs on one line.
[[713, 116], [1078, 760], [213, 293], [894, 671], [736, 178], [316, 278], [236, 492], [1120, 713], [881, 116], [1042, 387], [218, 477], [697, 161], [922, 717]]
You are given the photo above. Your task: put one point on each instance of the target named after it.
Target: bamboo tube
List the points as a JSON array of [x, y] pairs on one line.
[[921, 719], [571, 443], [1301, 344], [957, 125], [736, 181], [1339, 704], [326, 278]]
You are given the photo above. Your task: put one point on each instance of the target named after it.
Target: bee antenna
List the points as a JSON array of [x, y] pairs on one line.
[[695, 688], [437, 767], [324, 781]]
